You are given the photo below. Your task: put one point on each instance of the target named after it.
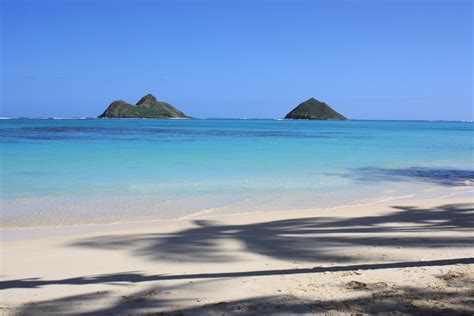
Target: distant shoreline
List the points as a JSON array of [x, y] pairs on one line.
[[225, 118]]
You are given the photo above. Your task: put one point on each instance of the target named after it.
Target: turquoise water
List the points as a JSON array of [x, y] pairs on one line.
[[103, 170]]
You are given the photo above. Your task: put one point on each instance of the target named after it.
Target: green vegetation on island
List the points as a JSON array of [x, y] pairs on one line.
[[313, 109], [147, 107]]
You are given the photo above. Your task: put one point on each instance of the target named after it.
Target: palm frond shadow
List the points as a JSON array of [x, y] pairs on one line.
[[440, 176], [304, 239]]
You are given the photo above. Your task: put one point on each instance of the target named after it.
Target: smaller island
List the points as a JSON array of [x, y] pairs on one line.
[[313, 109], [147, 107]]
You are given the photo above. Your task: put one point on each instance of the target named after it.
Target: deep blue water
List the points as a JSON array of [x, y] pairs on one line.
[[235, 159]]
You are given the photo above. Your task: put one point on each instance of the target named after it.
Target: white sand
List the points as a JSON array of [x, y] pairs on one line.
[[406, 256]]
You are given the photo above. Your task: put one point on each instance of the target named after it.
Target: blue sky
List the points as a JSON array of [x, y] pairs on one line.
[[367, 59]]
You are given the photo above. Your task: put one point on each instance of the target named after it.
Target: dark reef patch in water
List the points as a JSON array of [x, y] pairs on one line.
[[440, 176], [98, 132]]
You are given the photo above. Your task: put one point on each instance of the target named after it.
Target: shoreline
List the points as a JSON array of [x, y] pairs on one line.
[[421, 193], [15, 231]]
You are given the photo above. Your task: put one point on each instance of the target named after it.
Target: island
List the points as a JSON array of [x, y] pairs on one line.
[[313, 109], [147, 107]]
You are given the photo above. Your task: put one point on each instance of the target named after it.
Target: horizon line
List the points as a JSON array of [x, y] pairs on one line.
[[218, 118]]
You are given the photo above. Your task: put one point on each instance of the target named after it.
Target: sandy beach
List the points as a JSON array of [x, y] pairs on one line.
[[407, 256]]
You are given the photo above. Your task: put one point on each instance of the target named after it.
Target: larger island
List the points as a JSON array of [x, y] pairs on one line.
[[147, 107]]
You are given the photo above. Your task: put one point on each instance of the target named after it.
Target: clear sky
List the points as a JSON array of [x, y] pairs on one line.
[[367, 59]]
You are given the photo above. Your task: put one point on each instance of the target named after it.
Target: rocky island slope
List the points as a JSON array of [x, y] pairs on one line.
[[313, 109], [147, 107]]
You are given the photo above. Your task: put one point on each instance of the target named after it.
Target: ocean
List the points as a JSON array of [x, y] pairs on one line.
[[76, 171]]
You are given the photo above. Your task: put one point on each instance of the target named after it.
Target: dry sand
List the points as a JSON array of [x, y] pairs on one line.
[[409, 257]]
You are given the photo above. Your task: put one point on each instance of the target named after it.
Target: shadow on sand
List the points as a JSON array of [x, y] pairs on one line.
[[137, 277], [313, 239], [390, 301]]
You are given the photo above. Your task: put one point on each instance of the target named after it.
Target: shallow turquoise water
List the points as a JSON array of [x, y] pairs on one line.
[[222, 162]]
